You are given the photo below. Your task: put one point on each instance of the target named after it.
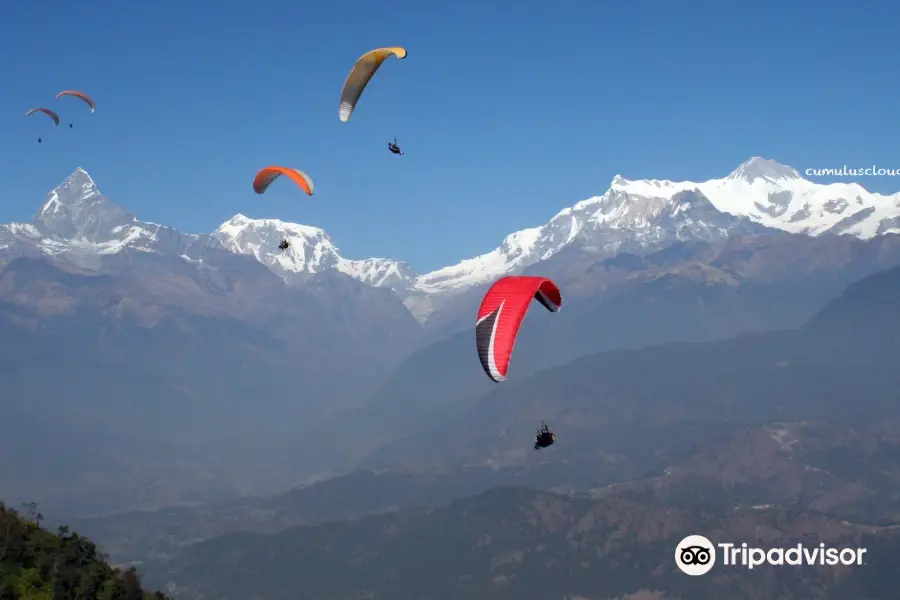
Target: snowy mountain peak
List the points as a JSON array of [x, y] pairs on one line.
[[516, 251], [78, 188], [78, 223], [311, 251], [636, 216], [240, 223], [77, 210], [640, 215], [763, 168], [647, 188]]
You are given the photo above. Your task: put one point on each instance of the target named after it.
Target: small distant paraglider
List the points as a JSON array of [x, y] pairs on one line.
[[45, 111], [80, 95], [362, 72], [393, 147], [267, 176]]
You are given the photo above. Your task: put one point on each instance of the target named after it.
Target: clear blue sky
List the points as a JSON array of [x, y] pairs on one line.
[[508, 110]]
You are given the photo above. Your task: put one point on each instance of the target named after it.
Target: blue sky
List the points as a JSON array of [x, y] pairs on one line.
[[508, 111]]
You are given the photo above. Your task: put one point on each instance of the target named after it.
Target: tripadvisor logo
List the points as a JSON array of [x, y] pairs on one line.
[[696, 555]]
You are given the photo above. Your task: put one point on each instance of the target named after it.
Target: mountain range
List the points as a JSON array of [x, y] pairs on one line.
[[511, 543], [211, 365], [803, 418], [77, 222], [773, 439]]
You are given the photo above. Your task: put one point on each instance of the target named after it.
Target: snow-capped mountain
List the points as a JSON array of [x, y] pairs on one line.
[[648, 214], [616, 221], [80, 225], [311, 250], [77, 223]]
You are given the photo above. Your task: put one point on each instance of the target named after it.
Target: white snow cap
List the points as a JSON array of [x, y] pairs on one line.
[[759, 190], [646, 213]]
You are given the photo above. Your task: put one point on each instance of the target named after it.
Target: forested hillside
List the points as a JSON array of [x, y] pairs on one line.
[[36, 564]]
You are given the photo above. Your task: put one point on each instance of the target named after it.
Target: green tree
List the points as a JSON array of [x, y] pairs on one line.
[[36, 564]]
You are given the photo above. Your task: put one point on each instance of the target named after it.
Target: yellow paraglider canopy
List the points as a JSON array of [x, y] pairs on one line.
[[360, 75]]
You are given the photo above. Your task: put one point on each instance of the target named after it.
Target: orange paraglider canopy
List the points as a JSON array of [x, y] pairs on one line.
[[77, 94], [266, 176]]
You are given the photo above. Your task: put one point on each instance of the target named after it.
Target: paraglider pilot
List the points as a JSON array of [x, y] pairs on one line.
[[284, 245], [393, 147], [544, 437]]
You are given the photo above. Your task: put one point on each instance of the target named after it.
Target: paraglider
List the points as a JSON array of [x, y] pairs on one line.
[[284, 245], [266, 176], [544, 437], [80, 95], [45, 111], [360, 75], [500, 315], [393, 147]]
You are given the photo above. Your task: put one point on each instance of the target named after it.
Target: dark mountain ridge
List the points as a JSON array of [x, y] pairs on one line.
[[772, 439], [524, 544], [801, 418]]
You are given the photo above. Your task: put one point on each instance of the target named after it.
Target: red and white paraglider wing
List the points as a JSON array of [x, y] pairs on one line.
[[500, 315]]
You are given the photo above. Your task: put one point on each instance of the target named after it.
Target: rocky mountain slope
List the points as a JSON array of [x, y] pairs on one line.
[[517, 543], [136, 536], [832, 469]]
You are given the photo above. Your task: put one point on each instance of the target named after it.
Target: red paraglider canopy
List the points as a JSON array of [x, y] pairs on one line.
[[501, 313]]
